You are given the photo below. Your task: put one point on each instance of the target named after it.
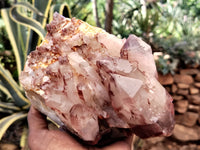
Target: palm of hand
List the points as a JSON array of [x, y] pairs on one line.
[[41, 138]]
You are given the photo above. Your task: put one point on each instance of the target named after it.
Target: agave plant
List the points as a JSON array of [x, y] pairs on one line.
[[25, 24]]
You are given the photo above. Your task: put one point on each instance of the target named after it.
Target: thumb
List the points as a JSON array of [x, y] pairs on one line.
[[36, 120]]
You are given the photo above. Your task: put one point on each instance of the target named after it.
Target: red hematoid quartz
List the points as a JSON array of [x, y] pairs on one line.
[[90, 81]]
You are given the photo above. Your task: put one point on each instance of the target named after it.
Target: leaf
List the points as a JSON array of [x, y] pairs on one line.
[[57, 125], [43, 6], [7, 121], [11, 106], [27, 21], [62, 9], [24, 137], [5, 90], [78, 7], [6, 111], [13, 34], [9, 77], [11, 85]]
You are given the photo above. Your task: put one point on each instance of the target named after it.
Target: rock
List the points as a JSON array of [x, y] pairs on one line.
[[184, 134], [80, 74], [194, 90], [168, 89], [183, 92], [189, 71], [171, 146], [155, 140], [181, 106], [197, 78], [194, 99], [165, 79], [179, 118], [174, 88], [197, 84], [189, 147], [7, 146], [193, 108], [190, 119], [158, 146], [183, 86], [178, 97], [187, 79]]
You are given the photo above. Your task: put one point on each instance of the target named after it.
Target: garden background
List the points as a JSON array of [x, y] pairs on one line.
[[171, 27]]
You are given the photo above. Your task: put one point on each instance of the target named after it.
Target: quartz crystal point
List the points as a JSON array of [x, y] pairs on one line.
[[90, 81]]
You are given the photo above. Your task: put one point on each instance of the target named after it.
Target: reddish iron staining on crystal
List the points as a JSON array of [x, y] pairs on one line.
[[91, 82]]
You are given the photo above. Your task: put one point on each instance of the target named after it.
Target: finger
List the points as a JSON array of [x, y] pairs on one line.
[[64, 139], [36, 120]]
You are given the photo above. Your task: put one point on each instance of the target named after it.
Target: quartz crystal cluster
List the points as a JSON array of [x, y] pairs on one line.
[[90, 81]]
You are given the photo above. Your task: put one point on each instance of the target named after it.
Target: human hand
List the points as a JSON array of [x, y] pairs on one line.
[[41, 138]]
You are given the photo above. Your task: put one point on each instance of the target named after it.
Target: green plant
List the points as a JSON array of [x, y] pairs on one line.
[[169, 26], [25, 24], [137, 18], [164, 65], [81, 9], [122, 23], [3, 37], [178, 33]]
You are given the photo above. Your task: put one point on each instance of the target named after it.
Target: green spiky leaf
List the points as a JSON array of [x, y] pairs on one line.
[[43, 7], [5, 90], [62, 9], [27, 21], [14, 33], [10, 106], [7, 121], [13, 88], [24, 137]]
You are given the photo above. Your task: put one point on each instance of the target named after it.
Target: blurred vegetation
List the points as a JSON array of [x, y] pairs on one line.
[[171, 27]]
